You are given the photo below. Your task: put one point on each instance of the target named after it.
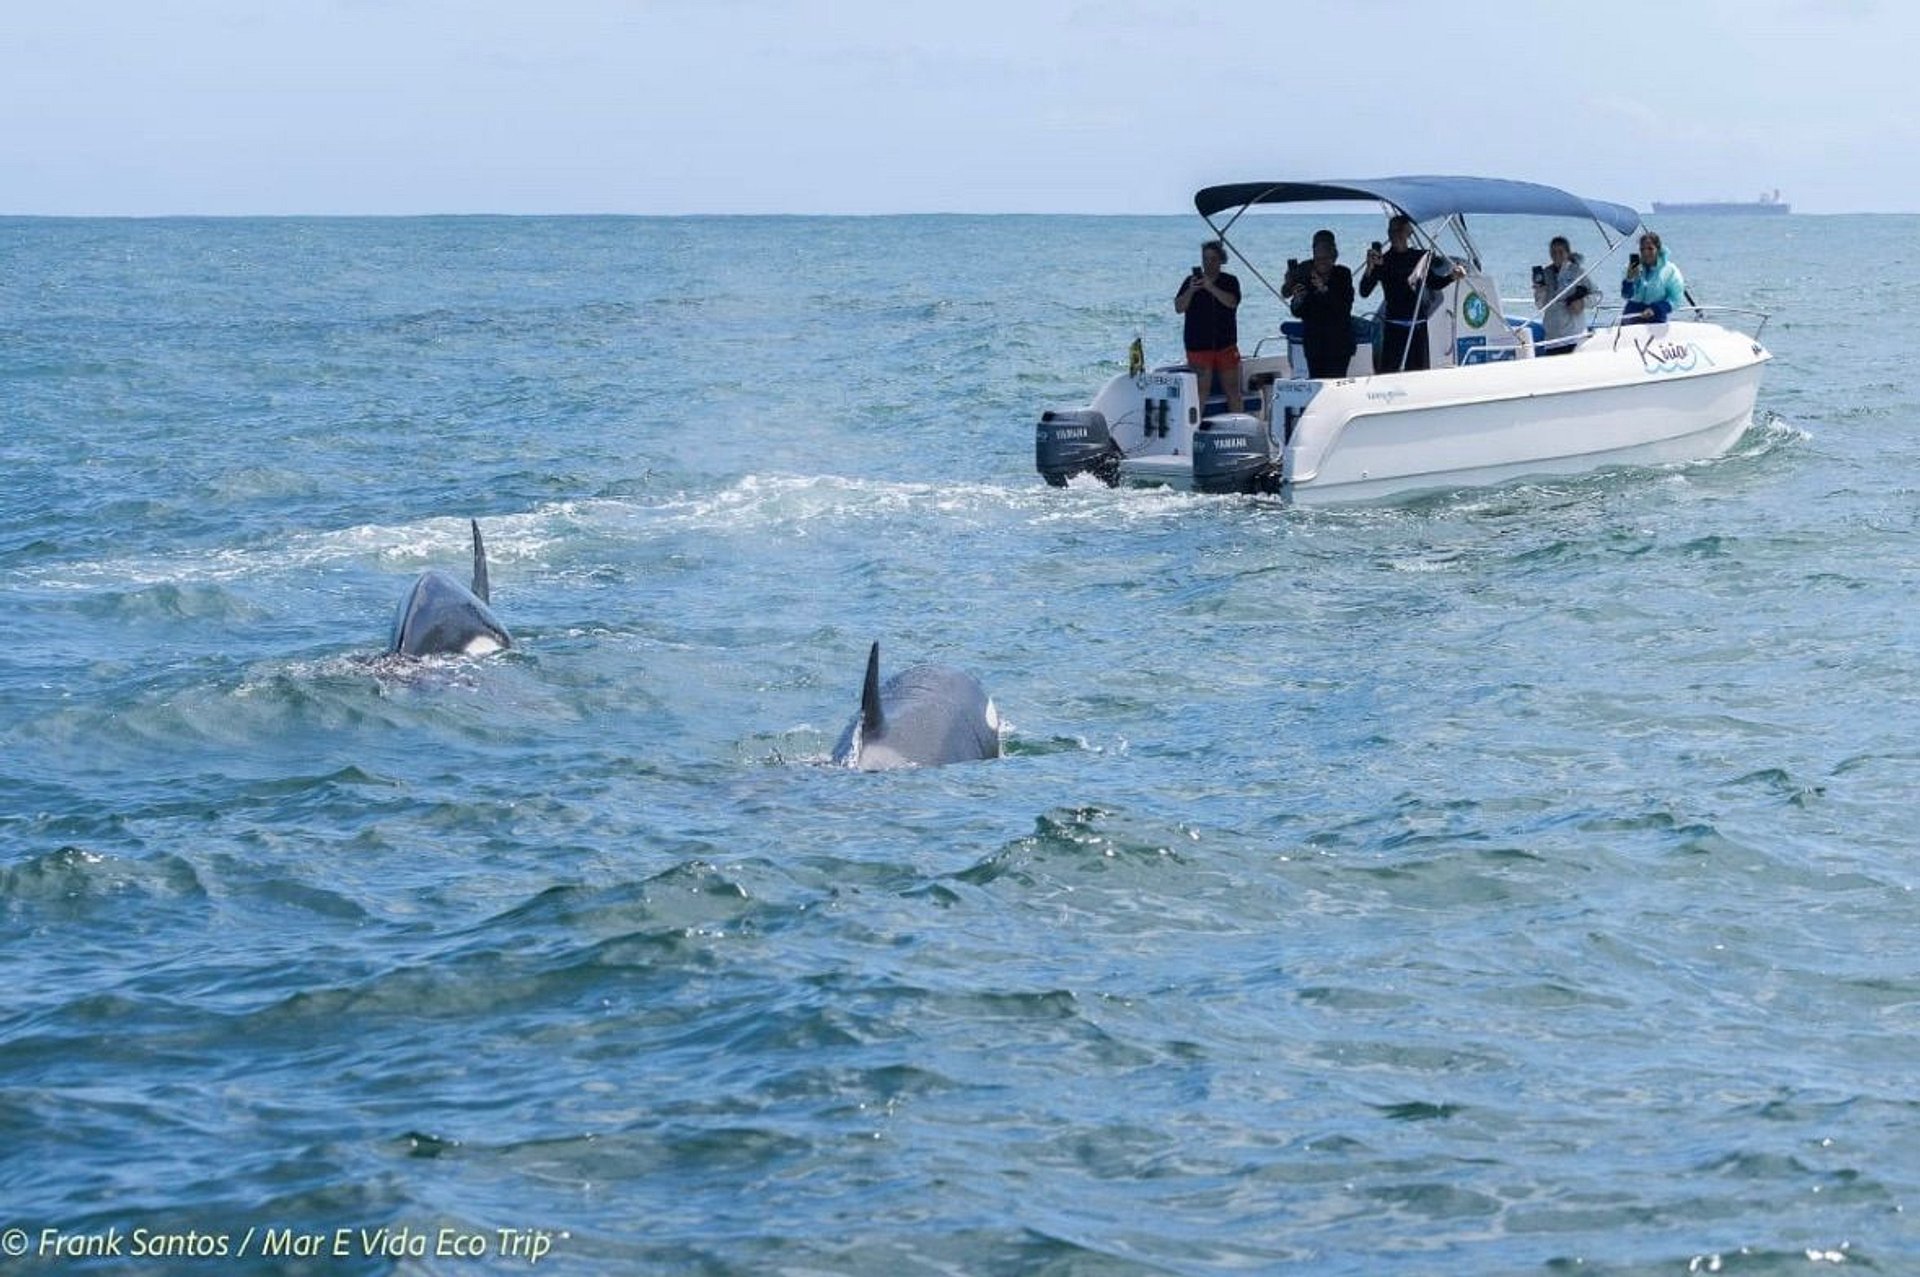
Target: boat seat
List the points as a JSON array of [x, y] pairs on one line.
[[1254, 404], [1269, 366], [1365, 329], [1366, 339]]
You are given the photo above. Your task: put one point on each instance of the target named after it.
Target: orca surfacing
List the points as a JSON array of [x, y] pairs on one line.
[[441, 617], [924, 716]]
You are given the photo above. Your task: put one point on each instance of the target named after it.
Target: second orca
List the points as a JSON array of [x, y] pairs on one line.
[[923, 716]]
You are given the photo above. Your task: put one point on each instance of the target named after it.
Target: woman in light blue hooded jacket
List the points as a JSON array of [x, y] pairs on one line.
[[1653, 286]]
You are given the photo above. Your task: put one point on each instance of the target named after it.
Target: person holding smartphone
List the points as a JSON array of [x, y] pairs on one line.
[[1560, 289], [1208, 298], [1411, 291], [1653, 286], [1320, 293]]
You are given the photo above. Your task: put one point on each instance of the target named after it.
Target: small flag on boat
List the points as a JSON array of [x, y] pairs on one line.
[[1136, 359]]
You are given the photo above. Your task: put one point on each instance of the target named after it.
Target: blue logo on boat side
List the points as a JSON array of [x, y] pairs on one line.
[[1162, 380], [1475, 310], [1661, 355]]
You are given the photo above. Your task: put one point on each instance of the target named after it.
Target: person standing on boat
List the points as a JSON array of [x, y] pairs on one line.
[[1413, 280], [1321, 294], [1561, 290], [1208, 298], [1653, 286]]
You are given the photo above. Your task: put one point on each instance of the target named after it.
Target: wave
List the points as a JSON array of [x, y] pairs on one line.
[[556, 535], [170, 600], [71, 874], [445, 542]]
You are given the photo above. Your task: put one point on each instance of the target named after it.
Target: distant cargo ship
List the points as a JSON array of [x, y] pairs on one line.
[[1769, 202]]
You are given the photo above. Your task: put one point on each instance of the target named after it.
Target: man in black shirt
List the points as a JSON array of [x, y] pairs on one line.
[[1208, 298], [1403, 328]]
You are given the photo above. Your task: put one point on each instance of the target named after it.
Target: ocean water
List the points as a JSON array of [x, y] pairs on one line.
[[1504, 882]]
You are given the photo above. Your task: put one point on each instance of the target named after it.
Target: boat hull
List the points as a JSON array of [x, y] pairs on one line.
[[1636, 395], [1633, 396]]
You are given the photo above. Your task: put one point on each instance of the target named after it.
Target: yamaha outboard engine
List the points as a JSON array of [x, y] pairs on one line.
[[1070, 441], [1234, 453]]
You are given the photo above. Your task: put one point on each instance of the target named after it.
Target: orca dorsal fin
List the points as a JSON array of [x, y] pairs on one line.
[[870, 719], [479, 565]]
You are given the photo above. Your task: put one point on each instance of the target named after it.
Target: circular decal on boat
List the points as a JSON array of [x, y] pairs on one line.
[[1475, 310]]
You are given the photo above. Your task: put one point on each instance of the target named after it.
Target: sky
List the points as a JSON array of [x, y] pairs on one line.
[[238, 107]]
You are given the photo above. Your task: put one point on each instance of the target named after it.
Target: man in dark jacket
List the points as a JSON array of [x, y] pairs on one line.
[[1403, 326], [1320, 292]]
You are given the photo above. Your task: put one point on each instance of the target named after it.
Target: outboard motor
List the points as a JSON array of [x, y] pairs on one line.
[[1070, 441], [1234, 453]]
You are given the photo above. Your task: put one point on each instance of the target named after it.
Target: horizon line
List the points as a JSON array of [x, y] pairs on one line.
[[823, 216]]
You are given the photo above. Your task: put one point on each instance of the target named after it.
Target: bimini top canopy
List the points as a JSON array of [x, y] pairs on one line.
[[1424, 198]]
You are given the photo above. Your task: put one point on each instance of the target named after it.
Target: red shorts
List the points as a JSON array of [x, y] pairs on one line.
[[1220, 361]]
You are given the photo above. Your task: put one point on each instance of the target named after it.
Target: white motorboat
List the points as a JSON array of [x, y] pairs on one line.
[[1489, 410]]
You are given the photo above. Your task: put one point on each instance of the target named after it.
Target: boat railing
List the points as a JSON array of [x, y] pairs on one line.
[[1512, 306], [1528, 347], [1751, 315], [1598, 311]]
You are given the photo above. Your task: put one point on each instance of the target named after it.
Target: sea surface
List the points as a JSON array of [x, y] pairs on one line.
[[1502, 882]]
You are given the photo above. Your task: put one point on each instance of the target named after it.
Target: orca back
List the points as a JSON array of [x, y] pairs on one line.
[[441, 617], [924, 716]]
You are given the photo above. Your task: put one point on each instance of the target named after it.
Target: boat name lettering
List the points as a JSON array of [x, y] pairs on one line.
[[1664, 355], [1386, 396]]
